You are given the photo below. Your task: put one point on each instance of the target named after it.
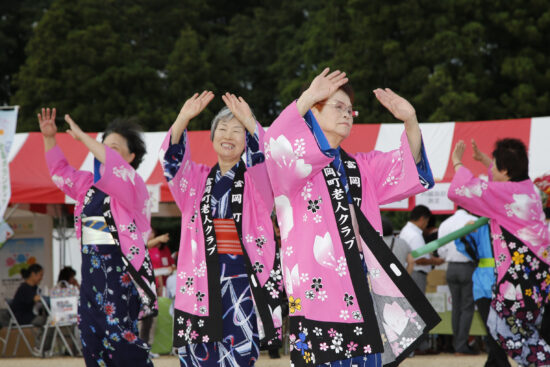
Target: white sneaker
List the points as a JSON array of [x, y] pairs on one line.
[[153, 355]]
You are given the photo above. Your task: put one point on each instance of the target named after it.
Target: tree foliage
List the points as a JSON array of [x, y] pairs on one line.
[[97, 59]]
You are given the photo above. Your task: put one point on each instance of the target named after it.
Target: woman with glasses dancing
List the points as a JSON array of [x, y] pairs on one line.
[[351, 301]]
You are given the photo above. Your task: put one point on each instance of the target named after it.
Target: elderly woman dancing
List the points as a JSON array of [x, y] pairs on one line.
[[521, 245], [228, 266], [351, 301], [113, 221]]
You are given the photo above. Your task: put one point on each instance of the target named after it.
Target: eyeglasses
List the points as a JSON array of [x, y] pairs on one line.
[[343, 109]]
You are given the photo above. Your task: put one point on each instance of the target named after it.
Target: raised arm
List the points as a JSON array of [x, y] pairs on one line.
[[72, 182], [321, 88], [402, 110], [471, 193], [183, 175], [190, 109], [480, 156]]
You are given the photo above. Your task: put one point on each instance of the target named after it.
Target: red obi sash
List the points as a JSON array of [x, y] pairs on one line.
[[227, 237]]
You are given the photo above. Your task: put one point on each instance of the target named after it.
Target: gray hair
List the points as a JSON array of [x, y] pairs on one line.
[[225, 114]]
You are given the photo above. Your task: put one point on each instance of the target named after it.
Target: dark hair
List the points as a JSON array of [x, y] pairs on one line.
[[129, 130], [420, 211], [32, 269], [348, 89], [511, 155], [66, 274], [547, 212], [387, 226]]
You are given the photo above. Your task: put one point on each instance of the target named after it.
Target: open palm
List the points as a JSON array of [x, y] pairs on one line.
[[195, 105], [46, 119], [325, 84], [240, 109], [399, 107]]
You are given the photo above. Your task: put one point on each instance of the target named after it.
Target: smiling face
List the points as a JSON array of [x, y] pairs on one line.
[[119, 144], [229, 140], [334, 117]]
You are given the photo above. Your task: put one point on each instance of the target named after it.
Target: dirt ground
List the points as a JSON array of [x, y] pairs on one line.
[[447, 360]]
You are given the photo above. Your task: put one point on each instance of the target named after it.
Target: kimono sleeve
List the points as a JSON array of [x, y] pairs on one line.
[[475, 195], [257, 169], [121, 181], [181, 173], [72, 182], [395, 174], [292, 154]]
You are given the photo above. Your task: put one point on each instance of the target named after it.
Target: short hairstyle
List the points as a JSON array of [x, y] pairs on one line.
[[511, 155], [387, 226], [34, 268], [348, 89], [420, 211], [131, 132], [66, 274], [225, 114]]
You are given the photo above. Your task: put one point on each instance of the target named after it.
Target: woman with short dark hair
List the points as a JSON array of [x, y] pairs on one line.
[[521, 244], [112, 218]]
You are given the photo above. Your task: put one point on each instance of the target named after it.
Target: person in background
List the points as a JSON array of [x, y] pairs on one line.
[[521, 245], [477, 247], [459, 278], [161, 258], [162, 261], [399, 247], [412, 234], [66, 276], [27, 296]]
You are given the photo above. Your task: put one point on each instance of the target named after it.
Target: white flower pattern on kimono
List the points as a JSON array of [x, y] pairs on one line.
[[125, 174], [395, 320], [284, 215], [472, 190], [284, 156]]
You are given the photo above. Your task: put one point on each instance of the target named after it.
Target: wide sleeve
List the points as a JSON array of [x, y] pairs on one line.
[[183, 175], [395, 175], [72, 182], [257, 169], [475, 195], [292, 154], [121, 181]]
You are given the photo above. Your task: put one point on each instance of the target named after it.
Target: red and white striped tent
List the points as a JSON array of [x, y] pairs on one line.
[[31, 182]]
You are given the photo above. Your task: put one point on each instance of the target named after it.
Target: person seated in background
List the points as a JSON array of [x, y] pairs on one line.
[[399, 247], [67, 276], [27, 296]]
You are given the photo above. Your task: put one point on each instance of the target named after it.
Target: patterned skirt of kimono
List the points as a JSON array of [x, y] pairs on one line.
[[240, 343], [368, 360], [108, 311], [517, 308]]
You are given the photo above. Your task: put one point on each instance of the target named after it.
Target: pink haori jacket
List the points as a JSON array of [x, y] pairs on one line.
[[198, 307], [128, 214], [521, 241], [337, 310]]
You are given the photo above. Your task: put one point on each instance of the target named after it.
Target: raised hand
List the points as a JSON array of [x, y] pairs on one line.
[[46, 119], [321, 88], [458, 153], [399, 107], [74, 130], [195, 105], [480, 156], [241, 111]]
